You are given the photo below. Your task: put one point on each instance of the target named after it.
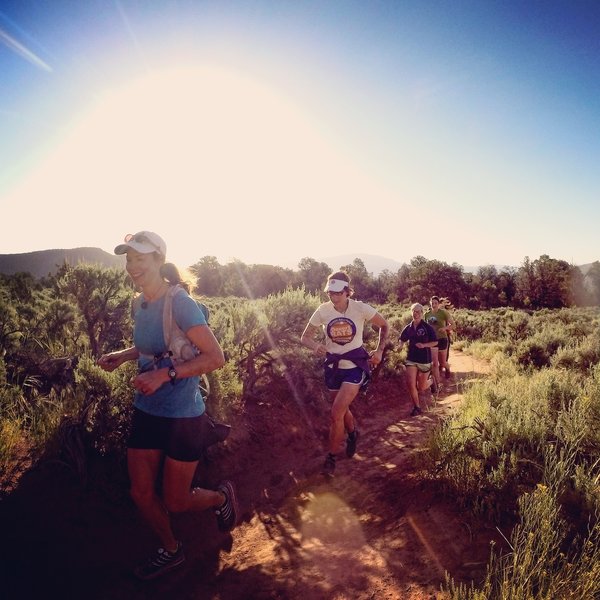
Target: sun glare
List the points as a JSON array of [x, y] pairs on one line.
[[203, 145]]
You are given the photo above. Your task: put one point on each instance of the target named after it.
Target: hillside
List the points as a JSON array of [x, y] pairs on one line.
[[44, 262]]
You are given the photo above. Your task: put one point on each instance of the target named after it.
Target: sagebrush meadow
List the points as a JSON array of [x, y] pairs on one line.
[[521, 451]]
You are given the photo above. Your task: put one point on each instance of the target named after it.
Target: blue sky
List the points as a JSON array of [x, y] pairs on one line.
[[467, 132]]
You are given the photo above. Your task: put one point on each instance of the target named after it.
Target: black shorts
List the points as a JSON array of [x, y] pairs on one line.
[[180, 439], [442, 344]]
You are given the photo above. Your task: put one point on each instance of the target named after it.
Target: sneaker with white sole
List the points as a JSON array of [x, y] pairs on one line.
[[227, 513], [162, 562]]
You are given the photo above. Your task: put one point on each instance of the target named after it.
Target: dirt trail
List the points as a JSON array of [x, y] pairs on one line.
[[377, 530]]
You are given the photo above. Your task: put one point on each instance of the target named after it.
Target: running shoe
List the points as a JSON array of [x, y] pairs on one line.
[[416, 411], [329, 464], [351, 443], [448, 374], [227, 513], [162, 562]]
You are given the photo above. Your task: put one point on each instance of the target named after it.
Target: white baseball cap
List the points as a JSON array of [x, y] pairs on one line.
[[143, 242], [335, 285]]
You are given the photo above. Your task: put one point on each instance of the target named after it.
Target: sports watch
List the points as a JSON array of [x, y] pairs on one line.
[[173, 375]]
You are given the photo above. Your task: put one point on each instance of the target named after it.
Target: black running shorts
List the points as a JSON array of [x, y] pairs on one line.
[[181, 439]]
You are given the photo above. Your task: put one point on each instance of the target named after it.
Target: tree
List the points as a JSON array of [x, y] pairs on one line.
[[265, 280], [103, 297], [580, 295], [507, 286], [209, 276], [545, 283], [434, 277], [403, 283], [236, 280], [61, 324], [312, 274], [592, 279], [485, 286], [526, 289], [360, 279], [386, 287], [20, 286]]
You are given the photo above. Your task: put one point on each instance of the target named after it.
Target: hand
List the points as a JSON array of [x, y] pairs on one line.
[[420, 345], [376, 358], [320, 350], [109, 362], [147, 383]]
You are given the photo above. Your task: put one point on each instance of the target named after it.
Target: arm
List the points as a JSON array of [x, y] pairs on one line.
[[433, 341], [308, 339], [401, 341], [112, 360], [449, 323], [380, 323], [211, 357], [426, 344]]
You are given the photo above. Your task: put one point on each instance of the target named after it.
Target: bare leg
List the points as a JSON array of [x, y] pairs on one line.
[[411, 383], [177, 492], [435, 366], [143, 467], [341, 417], [349, 424], [423, 382], [443, 359]]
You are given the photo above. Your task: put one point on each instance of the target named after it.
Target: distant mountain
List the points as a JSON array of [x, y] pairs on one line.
[[46, 262]]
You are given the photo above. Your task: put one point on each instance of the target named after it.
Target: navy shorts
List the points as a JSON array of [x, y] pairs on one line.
[[335, 377], [442, 343], [180, 439]]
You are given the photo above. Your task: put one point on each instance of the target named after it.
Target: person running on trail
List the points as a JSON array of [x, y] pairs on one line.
[[440, 320], [169, 425], [347, 363], [421, 339]]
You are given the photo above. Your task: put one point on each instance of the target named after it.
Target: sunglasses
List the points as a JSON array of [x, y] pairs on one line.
[[141, 238]]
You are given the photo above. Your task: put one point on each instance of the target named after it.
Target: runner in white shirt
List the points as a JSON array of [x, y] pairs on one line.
[[347, 363]]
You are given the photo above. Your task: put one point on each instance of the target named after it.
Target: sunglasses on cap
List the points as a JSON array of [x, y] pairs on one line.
[[142, 238]]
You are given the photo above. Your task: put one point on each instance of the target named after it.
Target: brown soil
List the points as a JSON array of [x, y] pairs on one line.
[[377, 530]]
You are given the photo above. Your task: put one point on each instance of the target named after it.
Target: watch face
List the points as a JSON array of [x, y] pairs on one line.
[[172, 373]]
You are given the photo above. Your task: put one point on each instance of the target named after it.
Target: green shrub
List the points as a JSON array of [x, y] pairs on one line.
[[105, 402], [490, 448], [548, 559], [538, 349]]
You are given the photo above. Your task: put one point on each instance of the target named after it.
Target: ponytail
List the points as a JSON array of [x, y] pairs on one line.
[[171, 273]]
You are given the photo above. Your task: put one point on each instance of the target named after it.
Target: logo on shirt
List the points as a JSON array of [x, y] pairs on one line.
[[341, 330]]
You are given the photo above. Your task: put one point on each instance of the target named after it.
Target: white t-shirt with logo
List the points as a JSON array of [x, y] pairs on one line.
[[343, 331]]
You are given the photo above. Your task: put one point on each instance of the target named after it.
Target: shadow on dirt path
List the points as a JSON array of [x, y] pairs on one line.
[[376, 530]]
